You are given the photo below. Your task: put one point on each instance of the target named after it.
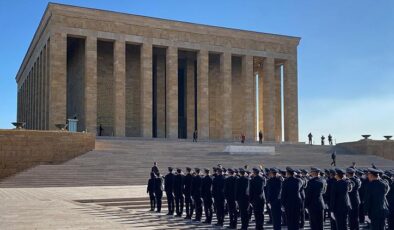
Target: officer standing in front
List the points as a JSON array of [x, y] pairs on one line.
[[218, 194], [375, 205], [229, 193], [169, 188], [206, 194], [274, 188], [339, 200], [257, 197], [291, 199], [242, 197], [354, 197], [314, 199]]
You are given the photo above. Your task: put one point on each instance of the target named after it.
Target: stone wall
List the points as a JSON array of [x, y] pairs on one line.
[[23, 149], [383, 149]]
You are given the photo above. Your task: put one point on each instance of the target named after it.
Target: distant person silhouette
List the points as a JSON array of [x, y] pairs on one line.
[[101, 130], [260, 137], [310, 138], [329, 139], [322, 140], [333, 158], [243, 138], [195, 135]]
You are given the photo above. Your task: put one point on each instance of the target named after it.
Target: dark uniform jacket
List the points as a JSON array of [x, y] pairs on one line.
[[169, 182], [196, 186], [158, 185], [274, 188], [339, 200], [314, 194], [390, 197], [151, 186], [291, 192], [375, 201], [206, 185], [242, 184], [354, 195], [218, 187], [178, 185], [256, 189], [229, 188], [327, 194], [187, 189]]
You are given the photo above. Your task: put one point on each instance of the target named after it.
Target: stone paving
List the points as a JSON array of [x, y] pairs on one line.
[[49, 196]]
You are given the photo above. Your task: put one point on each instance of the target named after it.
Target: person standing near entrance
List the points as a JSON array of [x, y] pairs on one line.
[[100, 130], [243, 138], [195, 135], [169, 188], [260, 137], [151, 191]]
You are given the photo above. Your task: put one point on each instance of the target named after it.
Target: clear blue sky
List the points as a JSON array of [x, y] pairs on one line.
[[346, 55]]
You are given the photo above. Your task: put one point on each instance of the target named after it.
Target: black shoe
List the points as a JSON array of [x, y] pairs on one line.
[[178, 215], [219, 224], [187, 218], [206, 222], [198, 220], [169, 214]]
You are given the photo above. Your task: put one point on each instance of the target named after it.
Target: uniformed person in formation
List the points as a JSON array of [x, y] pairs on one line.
[[242, 197], [390, 199], [291, 199], [151, 191], [339, 200], [354, 197], [206, 195], [178, 192], [314, 199], [375, 201], [158, 191], [218, 195], [229, 194], [169, 188], [274, 188], [187, 192], [257, 197], [196, 194]]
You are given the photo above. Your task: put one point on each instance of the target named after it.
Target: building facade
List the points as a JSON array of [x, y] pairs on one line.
[[147, 77]]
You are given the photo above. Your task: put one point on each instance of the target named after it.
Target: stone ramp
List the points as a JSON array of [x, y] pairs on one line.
[[128, 162]]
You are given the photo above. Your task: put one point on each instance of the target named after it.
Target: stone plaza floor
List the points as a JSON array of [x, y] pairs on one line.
[[105, 188]]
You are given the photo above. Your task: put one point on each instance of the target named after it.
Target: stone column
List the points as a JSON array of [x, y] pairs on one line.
[[146, 89], [47, 86], [248, 94], [90, 85], [172, 92], [202, 95], [269, 98], [190, 96], [225, 72], [28, 103], [120, 88], [278, 103], [39, 93], [290, 88], [35, 94], [57, 79]]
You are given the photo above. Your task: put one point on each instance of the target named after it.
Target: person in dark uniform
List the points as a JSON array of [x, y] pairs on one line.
[[364, 182], [390, 200], [195, 135], [333, 158], [169, 188], [310, 138], [257, 197], [339, 200], [155, 169], [218, 194], [274, 188], [178, 192], [291, 199], [375, 205], [322, 139], [206, 193], [329, 139], [242, 197], [330, 183], [229, 194], [187, 192], [354, 197], [260, 137], [158, 191], [151, 191], [101, 130], [303, 176], [314, 199], [196, 194]]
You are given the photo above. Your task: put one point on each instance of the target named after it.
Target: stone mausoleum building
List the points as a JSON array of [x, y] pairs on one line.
[[147, 77]]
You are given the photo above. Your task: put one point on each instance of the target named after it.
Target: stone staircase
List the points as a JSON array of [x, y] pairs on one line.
[[126, 161]]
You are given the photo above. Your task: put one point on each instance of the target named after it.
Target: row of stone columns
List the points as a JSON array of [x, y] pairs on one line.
[[42, 101]]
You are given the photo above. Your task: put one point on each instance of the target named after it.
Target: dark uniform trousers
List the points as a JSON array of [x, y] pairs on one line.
[[316, 218], [258, 210], [341, 219], [232, 210], [208, 209], [391, 218], [198, 206], [276, 214], [219, 201], [189, 205], [179, 204], [353, 218], [293, 217], [170, 202], [378, 222], [158, 195], [243, 211]]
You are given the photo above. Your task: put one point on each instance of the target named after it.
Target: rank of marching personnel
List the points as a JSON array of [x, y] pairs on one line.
[[344, 198]]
